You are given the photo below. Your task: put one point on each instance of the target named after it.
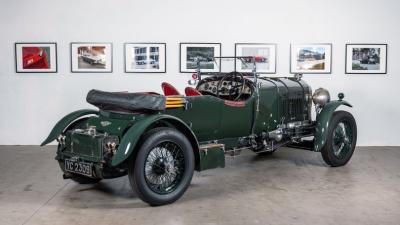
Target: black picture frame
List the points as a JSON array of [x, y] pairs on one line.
[[275, 57], [310, 72], [199, 43], [38, 43], [146, 43], [92, 43], [365, 44]]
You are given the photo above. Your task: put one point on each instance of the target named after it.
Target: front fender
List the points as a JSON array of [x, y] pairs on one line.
[[323, 118], [133, 135], [65, 122]]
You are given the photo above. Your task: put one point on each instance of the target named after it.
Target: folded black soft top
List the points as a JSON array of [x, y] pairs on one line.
[[121, 101]]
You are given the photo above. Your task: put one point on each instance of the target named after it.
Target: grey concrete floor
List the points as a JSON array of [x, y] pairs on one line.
[[289, 187]]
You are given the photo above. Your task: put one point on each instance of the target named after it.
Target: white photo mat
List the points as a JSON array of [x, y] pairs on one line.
[[382, 64], [271, 57], [308, 64], [130, 59], [183, 55], [75, 57], [19, 57]]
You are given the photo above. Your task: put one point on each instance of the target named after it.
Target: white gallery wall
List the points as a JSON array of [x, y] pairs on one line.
[[32, 103]]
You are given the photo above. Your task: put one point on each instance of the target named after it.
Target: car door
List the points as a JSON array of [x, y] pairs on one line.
[[236, 118], [205, 116], [202, 115]]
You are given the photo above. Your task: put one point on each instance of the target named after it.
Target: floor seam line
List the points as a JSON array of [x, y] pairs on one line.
[[44, 204]]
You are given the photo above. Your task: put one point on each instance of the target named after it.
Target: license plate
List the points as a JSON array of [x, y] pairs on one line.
[[78, 167]]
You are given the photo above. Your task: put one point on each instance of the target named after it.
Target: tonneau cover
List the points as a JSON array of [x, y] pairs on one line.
[[124, 101]]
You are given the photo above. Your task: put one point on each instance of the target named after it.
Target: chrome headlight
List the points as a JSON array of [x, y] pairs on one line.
[[321, 97]]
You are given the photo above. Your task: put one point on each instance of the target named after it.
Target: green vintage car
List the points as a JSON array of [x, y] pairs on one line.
[[159, 140]]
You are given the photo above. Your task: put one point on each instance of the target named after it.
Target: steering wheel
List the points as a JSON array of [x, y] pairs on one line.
[[233, 89]]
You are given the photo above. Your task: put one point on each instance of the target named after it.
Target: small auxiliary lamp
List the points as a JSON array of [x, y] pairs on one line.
[[340, 96]]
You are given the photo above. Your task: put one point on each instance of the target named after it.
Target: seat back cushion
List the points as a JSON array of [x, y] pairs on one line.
[[189, 91], [168, 89]]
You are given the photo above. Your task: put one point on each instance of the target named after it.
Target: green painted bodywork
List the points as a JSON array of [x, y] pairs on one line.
[[204, 119], [212, 158], [211, 119], [135, 132], [67, 120], [323, 119], [113, 123], [274, 92]]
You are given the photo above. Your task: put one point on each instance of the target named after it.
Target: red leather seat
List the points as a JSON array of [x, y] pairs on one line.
[[189, 91], [168, 89]]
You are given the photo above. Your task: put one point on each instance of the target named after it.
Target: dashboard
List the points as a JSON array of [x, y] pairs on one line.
[[210, 86]]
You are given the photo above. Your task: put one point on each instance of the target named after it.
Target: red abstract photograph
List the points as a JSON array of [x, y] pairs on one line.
[[36, 57]]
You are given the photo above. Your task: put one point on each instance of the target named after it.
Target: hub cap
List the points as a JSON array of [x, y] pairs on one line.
[[342, 139], [164, 167]]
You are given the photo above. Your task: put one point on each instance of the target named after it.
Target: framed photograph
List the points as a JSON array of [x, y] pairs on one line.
[[366, 58], [36, 57], [145, 57], [91, 57], [267, 53], [205, 52], [310, 58]]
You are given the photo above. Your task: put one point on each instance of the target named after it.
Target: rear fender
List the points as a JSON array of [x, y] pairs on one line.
[[65, 122], [323, 118], [130, 140]]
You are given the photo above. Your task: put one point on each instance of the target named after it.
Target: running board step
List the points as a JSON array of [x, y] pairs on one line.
[[211, 156], [207, 147]]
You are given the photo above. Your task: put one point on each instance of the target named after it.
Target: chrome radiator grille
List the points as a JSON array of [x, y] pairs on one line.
[[293, 109]]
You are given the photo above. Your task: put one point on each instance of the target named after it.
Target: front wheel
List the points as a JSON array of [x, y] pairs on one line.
[[341, 141], [163, 168]]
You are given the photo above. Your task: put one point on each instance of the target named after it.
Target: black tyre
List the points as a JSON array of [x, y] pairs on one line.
[[163, 167], [341, 140], [79, 178]]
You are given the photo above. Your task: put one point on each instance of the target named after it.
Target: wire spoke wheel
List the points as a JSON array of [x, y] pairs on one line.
[[342, 139], [164, 167]]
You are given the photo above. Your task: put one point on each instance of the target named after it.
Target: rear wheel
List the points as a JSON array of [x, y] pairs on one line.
[[163, 167], [341, 141]]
